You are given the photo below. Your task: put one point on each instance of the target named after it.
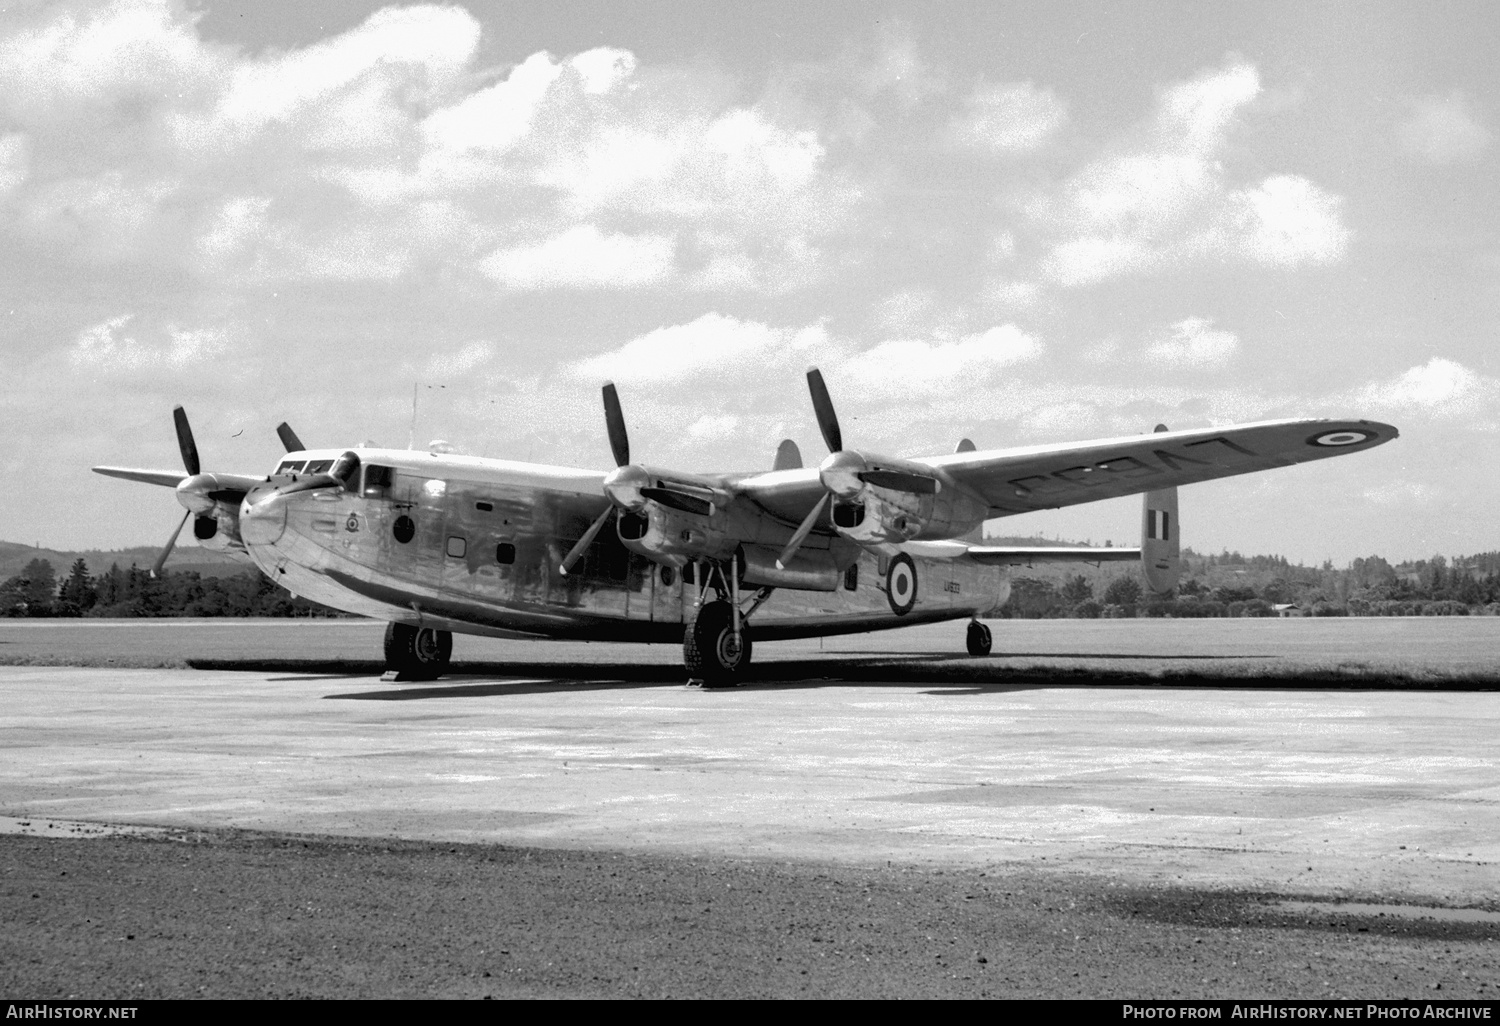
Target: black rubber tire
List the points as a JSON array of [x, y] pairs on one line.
[[978, 639], [417, 653], [708, 649]]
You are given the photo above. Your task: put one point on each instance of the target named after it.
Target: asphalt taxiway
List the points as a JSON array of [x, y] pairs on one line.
[[1318, 790]]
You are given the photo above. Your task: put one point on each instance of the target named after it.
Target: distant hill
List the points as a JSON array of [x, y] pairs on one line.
[[205, 562]]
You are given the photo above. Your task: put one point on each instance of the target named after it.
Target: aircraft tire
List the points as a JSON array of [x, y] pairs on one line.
[[978, 639], [709, 650], [417, 653]]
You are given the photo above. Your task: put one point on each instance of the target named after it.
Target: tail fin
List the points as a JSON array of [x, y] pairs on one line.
[[788, 456], [1160, 545]]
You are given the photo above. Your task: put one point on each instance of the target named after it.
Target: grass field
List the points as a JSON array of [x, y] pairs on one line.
[[1446, 652]]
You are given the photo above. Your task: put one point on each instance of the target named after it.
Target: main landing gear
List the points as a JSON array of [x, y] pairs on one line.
[[978, 639], [716, 645], [416, 653]]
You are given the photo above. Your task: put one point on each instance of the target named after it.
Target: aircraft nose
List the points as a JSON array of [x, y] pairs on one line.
[[263, 516]]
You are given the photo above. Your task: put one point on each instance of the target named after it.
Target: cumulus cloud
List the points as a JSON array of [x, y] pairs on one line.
[[386, 149], [583, 256], [902, 365], [1444, 129], [1007, 117], [1171, 200], [1440, 387], [1194, 343], [107, 347], [713, 343], [14, 161]]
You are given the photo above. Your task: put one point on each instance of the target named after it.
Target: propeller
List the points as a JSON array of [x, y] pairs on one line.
[[828, 424], [289, 437], [193, 466], [619, 445], [845, 472], [185, 442], [629, 486]]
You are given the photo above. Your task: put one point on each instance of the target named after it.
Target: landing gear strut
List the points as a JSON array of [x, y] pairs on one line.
[[978, 639], [716, 646], [416, 653]]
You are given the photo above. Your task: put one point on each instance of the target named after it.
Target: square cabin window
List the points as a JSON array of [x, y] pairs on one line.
[[505, 553], [457, 547]]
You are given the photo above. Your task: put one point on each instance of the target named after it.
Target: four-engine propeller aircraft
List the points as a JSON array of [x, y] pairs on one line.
[[435, 543]]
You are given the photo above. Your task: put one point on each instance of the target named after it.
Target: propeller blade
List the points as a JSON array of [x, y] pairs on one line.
[[185, 442], [172, 541], [679, 500], [577, 551], [901, 482], [828, 421], [289, 437], [801, 536], [614, 420]]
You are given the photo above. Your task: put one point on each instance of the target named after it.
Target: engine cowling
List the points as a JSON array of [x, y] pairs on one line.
[[671, 537], [881, 502]]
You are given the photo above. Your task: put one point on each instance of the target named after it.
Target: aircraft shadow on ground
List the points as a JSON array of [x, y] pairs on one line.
[[955, 675]]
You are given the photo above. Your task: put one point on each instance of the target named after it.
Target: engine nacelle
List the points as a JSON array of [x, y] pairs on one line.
[[881, 502], [218, 530], [670, 537]]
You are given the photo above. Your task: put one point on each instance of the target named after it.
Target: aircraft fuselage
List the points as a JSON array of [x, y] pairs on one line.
[[474, 546]]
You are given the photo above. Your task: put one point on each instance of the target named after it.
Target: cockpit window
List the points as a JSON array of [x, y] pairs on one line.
[[318, 466], [289, 467]]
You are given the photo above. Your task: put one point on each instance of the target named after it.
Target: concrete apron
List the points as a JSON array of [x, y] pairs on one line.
[[1312, 792]]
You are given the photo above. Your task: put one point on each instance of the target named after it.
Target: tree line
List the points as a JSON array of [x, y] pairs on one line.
[[1228, 584], [1231, 584], [131, 592]]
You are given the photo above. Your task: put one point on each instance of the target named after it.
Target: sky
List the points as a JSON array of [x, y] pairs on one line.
[[1017, 223]]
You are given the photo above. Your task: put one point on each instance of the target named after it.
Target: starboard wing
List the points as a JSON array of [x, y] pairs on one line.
[[1023, 480], [1048, 476]]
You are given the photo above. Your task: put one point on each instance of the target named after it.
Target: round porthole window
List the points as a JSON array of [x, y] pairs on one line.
[[668, 575], [405, 528]]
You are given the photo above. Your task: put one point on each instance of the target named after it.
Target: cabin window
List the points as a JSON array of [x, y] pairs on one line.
[[883, 565], [318, 466], [668, 575], [289, 467], [690, 574], [505, 553], [485, 507], [1158, 525], [457, 546], [851, 578], [378, 481]]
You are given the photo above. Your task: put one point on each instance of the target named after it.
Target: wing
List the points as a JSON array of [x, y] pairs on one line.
[[166, 478], [1048, 476], [787, 494]]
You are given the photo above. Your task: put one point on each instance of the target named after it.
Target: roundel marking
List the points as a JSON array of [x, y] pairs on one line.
[[901, 585], [1347, 437]]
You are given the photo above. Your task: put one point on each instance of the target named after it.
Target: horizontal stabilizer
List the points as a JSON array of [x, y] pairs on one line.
[[1026, 555], [165, 478]]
